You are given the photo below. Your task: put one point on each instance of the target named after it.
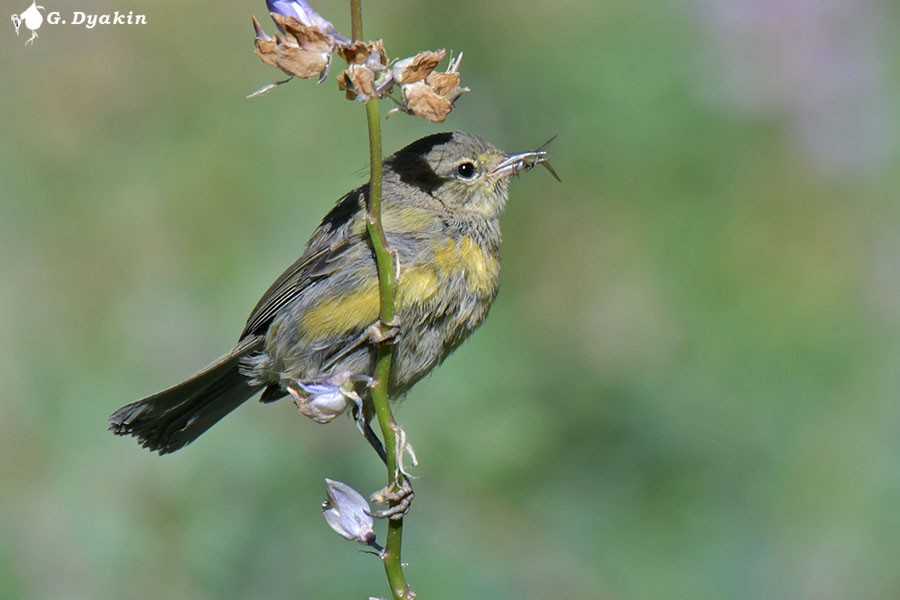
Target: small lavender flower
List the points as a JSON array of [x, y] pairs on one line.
[[301, 11], [324, 400], [348, 514]]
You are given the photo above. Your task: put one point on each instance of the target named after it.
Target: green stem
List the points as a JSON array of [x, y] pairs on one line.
[[380, 393], [356, 19], [384, 258]]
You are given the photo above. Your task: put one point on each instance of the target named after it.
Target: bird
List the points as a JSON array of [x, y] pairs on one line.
[[311, 336]]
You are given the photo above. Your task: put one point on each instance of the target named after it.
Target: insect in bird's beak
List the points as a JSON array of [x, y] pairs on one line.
[[512, 164]]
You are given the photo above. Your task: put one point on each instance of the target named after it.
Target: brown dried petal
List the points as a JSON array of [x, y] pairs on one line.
[[358, 82], [300, 62], [308, 38], [416, 68], [445, 84], [265, 50], [421, 100], [355, 53]]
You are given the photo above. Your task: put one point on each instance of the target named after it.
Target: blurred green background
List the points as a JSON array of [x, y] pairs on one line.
[[687, 387]]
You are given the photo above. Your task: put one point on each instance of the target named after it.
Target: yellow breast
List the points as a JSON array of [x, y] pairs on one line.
[[416, 286], [480, 269]]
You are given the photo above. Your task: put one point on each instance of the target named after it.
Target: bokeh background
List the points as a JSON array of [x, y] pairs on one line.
[[688, 387]]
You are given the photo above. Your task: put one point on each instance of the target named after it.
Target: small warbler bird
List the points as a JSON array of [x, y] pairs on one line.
[[313, 335]]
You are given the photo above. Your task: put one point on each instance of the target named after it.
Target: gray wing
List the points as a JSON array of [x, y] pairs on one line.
[[327, 246]]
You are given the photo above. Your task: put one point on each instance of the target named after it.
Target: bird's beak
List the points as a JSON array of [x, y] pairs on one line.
[[512, 164]]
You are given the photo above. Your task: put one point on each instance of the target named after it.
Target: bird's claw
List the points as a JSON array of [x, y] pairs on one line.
[[381, 332], [398, 499]]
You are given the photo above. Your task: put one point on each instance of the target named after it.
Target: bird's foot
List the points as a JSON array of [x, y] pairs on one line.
[[377, 333], [381, 332], [398, 498], [399, 494]]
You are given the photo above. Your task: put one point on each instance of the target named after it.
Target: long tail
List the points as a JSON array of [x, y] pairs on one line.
[[175, 417]]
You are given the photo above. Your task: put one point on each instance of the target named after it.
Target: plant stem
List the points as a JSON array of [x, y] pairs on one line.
[[384, 258], [386, 282], [379, 391], [356, 19]]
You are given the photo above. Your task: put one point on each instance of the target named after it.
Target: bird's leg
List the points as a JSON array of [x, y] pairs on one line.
[[381, 332], [365, 428], [399, 493]]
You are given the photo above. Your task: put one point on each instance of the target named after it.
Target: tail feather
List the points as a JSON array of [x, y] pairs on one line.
[[174, 417]]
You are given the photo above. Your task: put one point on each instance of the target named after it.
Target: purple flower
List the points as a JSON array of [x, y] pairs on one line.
[[348, 514], [301, 11], [325, 399]]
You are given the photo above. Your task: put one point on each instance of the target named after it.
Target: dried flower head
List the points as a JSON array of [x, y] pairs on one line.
[[367, 74], [418, 67], [306, 42], [427, 93]]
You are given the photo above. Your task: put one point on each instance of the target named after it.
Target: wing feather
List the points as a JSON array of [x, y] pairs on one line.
[[321, 259]]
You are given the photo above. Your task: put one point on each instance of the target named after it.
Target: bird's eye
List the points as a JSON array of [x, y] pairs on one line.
[[466, 170]]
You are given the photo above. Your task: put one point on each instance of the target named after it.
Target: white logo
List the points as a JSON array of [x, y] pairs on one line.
[[32, 18]]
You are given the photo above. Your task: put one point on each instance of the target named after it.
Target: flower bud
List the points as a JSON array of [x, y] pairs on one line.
[[323, 404], [324, 400], [348, 514]]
